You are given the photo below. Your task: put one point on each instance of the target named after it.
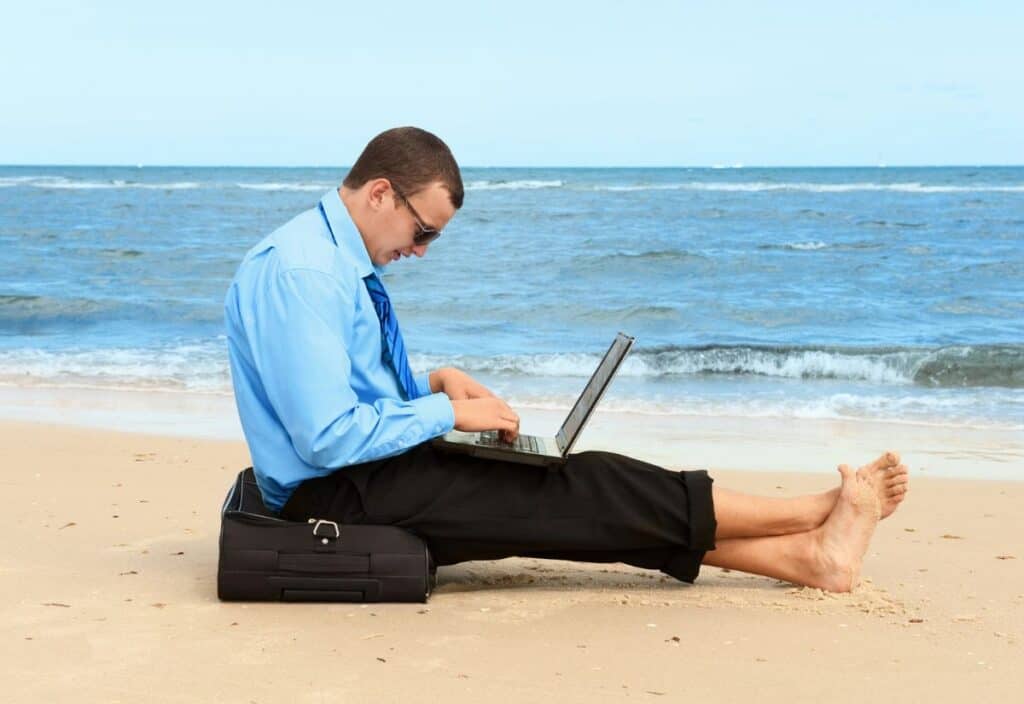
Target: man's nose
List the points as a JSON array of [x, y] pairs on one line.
[[420, 249]]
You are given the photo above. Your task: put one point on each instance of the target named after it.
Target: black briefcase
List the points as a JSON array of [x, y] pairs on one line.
[[266, 558]]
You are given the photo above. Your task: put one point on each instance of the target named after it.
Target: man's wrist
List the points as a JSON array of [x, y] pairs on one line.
[[437, 380]]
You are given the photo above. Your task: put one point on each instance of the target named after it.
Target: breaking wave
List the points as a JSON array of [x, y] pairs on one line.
[[952, 367], [62, 183], [758, 186], [518, 185], [279, 186]]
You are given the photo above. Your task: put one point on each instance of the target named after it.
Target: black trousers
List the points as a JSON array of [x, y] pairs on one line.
[[598, 507]]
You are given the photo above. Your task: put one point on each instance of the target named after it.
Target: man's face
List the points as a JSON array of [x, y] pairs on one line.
[[396, 225]]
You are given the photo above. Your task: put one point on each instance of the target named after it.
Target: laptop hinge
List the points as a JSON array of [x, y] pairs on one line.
[[560, 442]]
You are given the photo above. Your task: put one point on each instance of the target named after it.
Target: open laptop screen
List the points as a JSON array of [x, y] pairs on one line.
[[579, 414]]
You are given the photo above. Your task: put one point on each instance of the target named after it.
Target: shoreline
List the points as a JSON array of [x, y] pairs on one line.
[[717, 442]]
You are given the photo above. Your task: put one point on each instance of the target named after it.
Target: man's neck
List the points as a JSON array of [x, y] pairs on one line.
[[349, 199]]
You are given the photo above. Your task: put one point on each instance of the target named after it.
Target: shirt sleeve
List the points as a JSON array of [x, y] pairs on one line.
[[299, 346], [423, 384]]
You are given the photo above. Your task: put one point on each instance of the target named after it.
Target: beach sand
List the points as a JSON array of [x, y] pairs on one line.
[[108, 588]]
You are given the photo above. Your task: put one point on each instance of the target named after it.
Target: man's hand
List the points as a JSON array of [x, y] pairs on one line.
[[458, 385], [476, 406], [489, 413]]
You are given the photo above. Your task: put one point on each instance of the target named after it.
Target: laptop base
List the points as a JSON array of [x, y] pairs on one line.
[[493, 453]]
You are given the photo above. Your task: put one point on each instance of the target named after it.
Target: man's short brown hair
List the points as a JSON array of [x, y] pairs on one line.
[[411, 159]]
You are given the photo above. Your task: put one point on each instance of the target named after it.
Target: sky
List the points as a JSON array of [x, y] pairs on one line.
[[514, 84]]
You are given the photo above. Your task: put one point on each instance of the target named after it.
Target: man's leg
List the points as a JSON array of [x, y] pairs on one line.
[[745, 516], [600, 507], [828, 557]]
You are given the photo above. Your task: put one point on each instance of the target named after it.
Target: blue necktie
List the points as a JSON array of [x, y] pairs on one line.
[[391, 337]]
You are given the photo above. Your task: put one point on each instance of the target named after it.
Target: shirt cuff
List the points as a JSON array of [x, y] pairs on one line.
[[423, 385], [436, 412]]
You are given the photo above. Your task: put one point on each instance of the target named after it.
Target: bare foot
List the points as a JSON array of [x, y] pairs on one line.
[[844, 537], [892, 488], [891, 481]]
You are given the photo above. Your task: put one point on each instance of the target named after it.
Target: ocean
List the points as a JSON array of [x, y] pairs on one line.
[[891, 294]]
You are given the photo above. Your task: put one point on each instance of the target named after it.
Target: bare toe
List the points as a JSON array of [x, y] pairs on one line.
[[889, 480], [896, 487], [885, 461], [898, 481]]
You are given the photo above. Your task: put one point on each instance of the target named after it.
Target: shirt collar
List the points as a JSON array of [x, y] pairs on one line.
[[344, 233]]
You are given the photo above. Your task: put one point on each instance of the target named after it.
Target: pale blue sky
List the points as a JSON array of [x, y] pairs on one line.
[[514, 84]]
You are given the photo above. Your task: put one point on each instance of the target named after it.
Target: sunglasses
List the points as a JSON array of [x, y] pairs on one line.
[[424, 235]]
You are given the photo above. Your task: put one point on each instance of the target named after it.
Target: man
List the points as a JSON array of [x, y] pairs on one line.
[[338, 426]]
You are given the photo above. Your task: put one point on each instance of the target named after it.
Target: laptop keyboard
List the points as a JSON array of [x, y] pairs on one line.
[[523, 443]]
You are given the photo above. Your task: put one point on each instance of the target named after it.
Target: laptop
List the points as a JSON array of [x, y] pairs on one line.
[[531, 449]]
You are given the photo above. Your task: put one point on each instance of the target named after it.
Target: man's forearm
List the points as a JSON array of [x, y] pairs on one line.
[[437, 380]]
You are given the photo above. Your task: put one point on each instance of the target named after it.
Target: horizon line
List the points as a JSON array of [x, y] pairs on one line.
[[717, 167]]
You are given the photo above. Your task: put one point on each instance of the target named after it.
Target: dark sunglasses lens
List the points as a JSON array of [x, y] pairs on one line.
[[425, 236]]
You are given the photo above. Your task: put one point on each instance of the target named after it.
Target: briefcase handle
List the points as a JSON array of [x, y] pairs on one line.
[[325, 536]]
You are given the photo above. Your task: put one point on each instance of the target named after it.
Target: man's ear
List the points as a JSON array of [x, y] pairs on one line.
[[379, 189]]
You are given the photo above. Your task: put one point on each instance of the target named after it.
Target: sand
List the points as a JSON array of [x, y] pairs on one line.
[[108, 591]]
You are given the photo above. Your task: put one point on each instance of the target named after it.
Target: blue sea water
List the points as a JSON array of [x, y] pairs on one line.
[[865, 293]]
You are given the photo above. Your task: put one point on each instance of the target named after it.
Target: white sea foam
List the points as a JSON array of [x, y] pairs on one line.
[[540, 365], [526, 184], [64, 183], [61, 183], [281, 186], [994, 366], [758, 186], [200, 367], [175, 186], [204, 365], [959, 410], [896, 368], [11, 181], [203, 368], [806, 245]]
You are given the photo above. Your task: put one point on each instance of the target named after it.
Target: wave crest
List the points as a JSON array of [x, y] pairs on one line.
[[62, 183], [192, 367], [518, 185], [955, 367], [758, 186], [282, 186], [796, 246]]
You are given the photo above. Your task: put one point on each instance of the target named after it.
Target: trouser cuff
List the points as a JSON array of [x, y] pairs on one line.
[[685, 563]]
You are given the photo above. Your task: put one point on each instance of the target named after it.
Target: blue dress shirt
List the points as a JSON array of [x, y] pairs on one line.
[[304, 342]]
